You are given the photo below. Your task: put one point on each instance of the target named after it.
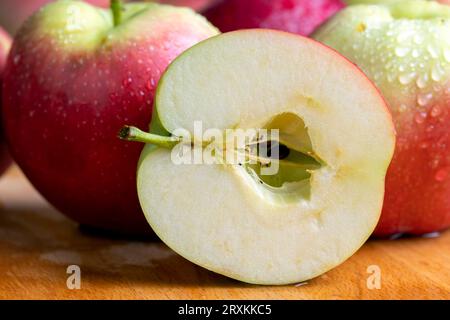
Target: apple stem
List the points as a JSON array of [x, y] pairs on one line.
[[116, 8], [129, 133]]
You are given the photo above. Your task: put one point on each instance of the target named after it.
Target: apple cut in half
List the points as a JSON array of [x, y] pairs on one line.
[[336, 137]]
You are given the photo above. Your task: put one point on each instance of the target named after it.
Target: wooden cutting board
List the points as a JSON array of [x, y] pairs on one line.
[[37, 244]]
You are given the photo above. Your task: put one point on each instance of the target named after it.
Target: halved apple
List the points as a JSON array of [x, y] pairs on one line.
[[337, 141]]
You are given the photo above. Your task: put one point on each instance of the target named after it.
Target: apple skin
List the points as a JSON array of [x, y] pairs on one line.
[[198, 5], [415, 81], [296, 16], [66, 98], [5, 45], [353, 2], [14, 12]]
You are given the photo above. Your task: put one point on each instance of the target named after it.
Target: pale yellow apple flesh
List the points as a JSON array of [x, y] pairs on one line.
[[294, 228]]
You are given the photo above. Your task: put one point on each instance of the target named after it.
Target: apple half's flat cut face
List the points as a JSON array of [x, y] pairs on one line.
[[308, 218]]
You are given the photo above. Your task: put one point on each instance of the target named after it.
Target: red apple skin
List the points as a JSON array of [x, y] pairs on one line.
[[296, 16], [197, 5], [14, 12], [5, 45], [63, 110], [417, 198]]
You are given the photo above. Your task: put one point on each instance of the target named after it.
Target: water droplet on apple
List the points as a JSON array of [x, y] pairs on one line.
[[401, 52], [149, 84], [126, 82], [415, 53], [437, 72], [423, 145], [407, 78], [402, 108], [436, 111], [433, 51], [420, 117], [424, 99], [16, 59], [404, 35], [422, 81], [435, 163], [441, 174]]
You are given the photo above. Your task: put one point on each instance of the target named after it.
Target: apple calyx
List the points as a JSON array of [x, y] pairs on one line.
[[116, 8]]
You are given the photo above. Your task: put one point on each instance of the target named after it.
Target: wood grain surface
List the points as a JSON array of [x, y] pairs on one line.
[[37, 244]]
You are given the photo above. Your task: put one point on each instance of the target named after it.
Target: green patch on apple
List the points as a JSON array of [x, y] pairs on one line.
[[366, 2], [89, 27]]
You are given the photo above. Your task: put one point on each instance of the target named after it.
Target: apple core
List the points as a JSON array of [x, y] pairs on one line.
[[296, 162], [291, 151]]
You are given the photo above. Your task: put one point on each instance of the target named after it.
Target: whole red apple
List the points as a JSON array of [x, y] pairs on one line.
[[14, 12], [76, 74], [5, 45], [297, 16]]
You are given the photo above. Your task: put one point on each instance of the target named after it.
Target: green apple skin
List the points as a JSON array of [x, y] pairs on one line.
[[354, 2], [405, 49], [14, 12], [72, 80]]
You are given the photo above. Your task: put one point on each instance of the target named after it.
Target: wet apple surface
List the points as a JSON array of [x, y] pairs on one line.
[[405, 49], [72, 81]]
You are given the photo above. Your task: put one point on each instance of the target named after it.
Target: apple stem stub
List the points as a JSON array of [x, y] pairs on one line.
[[116, 8], [130, 133]]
